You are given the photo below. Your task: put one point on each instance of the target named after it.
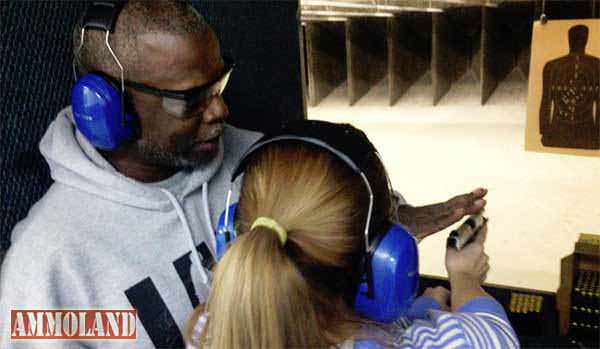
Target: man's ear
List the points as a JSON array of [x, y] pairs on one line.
[[132, 111], [80, 69]]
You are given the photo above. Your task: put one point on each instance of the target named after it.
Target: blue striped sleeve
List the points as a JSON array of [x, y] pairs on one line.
[[484, 305], [481, 323], [420, 307], [197, 332]]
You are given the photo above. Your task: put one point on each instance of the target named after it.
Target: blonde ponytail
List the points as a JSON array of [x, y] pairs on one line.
[[269, 294]]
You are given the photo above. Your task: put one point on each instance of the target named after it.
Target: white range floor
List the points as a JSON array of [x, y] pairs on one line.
[[538, 204]]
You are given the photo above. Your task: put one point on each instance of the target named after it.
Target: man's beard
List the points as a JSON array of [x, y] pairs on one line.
[[181, 157]]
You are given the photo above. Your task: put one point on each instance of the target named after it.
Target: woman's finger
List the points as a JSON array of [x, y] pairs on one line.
[[481, 234]]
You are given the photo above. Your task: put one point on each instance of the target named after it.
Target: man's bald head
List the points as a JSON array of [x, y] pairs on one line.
[[136, 18]]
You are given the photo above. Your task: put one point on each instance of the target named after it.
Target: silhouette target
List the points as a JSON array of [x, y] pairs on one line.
[[570, 107]]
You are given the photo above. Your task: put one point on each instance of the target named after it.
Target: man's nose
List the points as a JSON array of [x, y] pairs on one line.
[[216, 111]]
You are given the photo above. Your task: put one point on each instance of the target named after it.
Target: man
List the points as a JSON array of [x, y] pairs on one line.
[[132, 227]]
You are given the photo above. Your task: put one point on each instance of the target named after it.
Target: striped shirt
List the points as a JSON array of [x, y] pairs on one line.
[[194, 342], [480, 323]]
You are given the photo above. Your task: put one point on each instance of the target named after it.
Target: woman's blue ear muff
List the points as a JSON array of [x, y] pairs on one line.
[[97, 109], [225, 230], [393, 271], [389, 284]]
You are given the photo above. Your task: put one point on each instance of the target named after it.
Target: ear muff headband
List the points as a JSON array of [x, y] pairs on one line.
[[100, 15], [98, 107], [260, 144]]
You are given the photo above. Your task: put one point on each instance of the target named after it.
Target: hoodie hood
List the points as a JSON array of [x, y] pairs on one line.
[[75, 162]]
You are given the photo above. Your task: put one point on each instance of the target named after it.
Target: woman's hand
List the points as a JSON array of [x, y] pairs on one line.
[[471, 262], [467, 269], [440, 294]]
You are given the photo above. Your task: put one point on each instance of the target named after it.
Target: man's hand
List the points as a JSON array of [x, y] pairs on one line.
[[426, 220]]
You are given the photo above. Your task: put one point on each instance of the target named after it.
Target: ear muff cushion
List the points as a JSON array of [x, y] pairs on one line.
[[96, 106], [395, 275]]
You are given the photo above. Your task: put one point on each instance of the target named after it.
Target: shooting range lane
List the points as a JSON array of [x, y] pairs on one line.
[[538, 204]]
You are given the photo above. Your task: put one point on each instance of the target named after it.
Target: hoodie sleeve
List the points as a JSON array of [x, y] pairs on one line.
[[34, 277]]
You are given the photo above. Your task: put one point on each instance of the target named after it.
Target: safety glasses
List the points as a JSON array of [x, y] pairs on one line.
[[187, 103]]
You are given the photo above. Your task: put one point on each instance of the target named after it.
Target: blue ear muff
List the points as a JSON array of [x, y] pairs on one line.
[[394, 277], [97, 112], [392, 270]]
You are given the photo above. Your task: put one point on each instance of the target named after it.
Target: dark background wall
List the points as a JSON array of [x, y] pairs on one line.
[[35, 80]]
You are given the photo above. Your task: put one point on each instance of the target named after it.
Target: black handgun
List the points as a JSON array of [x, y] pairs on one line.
[[466, 232]]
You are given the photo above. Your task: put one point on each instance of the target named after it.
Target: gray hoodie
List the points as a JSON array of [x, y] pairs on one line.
[[100, 240]]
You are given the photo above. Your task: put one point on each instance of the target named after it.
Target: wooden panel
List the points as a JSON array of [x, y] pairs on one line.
[[455, 47], [498, 51], [522, 31], [441, 73], [326, 60], [366, 52], [491, 66], [303, 66], [409, 51], [476, 50], [506, 42], [524, 58]]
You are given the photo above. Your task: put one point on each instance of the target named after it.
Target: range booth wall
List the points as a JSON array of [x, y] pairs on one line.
[[36, 77], [435, 43]]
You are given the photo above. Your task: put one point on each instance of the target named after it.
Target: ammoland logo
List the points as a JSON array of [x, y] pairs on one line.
[[73, 324]]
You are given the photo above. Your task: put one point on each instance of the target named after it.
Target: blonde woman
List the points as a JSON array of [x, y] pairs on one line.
[[290, 278]]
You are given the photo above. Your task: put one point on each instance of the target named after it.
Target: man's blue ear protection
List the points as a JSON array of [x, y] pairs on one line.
[[391, 264], [97, 112], [98, 106]]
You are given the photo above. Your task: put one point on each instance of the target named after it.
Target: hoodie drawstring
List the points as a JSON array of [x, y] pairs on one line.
[[207, 220], [186, 227]]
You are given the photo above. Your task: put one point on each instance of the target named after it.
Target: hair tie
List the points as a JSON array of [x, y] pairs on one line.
[[271, 224]]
